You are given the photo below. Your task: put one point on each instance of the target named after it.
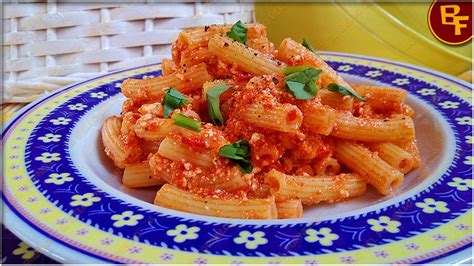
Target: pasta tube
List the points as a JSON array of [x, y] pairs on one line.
[[327, 166], [382, 98], [174, 198], [411, 147], [280, 117], [336, 100], [289, 209], [296, 54], [232, 180], [122, 154], [315, 189], [167, 67], [154, 129], [375, 171], [199, 36], [185, 81], [373, 130], [158, 170], [394, 155], [139, 175], [177, 151], [250, 60], [319, 119]]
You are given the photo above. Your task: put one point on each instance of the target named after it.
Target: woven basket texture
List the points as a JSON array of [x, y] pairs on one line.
[[50, 45]]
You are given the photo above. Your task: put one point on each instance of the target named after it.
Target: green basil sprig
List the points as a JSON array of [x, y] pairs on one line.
[[345, 91], [213, 104], [239, 153], [238, 32], [173, 100], [186, 122], [301, 81]]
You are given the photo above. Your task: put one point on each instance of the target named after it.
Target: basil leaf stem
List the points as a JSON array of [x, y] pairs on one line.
[[186, 122], [345, 91]]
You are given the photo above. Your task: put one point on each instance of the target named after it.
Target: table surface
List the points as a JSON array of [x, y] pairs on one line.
[[15, 251]]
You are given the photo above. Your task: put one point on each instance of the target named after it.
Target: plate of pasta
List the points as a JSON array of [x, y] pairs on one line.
[[238, 151]]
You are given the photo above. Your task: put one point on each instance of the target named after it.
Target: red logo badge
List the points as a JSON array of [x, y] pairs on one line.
[[451, 22]]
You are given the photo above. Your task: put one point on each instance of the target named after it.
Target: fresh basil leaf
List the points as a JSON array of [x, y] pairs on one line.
[[238, 32], [302, 84], [304, 76], [245, 167], [307, 45], [293, 69], [213, 104], [239, 150], [173, 100], [345, 91], [186, 122], [239, 153]]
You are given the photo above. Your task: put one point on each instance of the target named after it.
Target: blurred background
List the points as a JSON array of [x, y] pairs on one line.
[[396, 31]]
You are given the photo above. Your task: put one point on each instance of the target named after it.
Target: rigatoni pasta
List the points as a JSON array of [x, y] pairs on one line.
[[336, 100], [368, 164], [250, 60], [154, 129], [289, 209], [176, 150], [139, 175], [167, 67], [116, 148], [373, 129], [395, 156], [327, 166], [171, 197], [194, 57], [234, 128], [187, 80], [319, 119], [281, 117], [295, 53], [411, 147], [199, 37], [314, 189], [381, 97]]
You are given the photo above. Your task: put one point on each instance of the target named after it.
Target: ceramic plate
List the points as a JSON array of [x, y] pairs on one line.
[[63, 196]]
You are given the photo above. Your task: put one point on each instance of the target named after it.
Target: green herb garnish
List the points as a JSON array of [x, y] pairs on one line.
[[238, 32], [186, 122], [293, 69], [173, 100], [213, 104], [239, 153], [302, 83], [307, 45], [345, 91]]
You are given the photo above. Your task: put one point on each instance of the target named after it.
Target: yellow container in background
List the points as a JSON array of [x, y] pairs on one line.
[[396, 31]]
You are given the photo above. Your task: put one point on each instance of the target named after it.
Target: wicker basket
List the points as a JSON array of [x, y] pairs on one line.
[[49, 45]]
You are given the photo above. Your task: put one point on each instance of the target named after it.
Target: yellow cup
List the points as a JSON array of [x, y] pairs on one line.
[[396, 31]]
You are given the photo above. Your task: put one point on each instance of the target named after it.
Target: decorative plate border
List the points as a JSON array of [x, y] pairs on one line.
[[293, 241]]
